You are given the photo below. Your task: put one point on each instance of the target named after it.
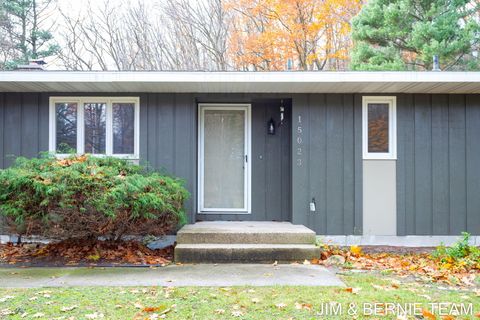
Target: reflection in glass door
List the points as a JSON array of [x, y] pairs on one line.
[[224, 158]]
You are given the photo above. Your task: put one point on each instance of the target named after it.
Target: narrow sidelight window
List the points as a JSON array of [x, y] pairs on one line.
[[66, 127], [123, 128], [96, 125], [379, 127]]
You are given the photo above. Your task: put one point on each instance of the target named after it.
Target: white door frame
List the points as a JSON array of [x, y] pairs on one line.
[[248, 159]]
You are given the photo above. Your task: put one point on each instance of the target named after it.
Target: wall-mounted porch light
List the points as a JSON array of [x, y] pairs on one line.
[[271, 127], [282, 112]]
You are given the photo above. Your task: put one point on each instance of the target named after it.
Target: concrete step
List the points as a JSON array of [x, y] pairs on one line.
[[245, 232], [224, 253]]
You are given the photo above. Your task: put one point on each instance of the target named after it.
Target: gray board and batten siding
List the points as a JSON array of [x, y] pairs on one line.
[[438, 163], [438, 166], [168, 141], [438, 154], [327, 162]]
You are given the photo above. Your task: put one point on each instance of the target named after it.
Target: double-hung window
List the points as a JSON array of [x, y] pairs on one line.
[[379, 127], [106, 126]]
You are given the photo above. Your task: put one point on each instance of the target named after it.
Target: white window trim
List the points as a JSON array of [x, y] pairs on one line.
[[392, 127], [109, 101]]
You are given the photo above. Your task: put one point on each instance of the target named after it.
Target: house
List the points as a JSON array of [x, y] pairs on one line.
[[344, 153]]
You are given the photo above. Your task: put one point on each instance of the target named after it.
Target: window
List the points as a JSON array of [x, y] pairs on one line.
[[379, 128], [95, 125]]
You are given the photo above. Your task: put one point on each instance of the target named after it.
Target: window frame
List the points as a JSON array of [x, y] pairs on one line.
[[392, 127], [80, 101]]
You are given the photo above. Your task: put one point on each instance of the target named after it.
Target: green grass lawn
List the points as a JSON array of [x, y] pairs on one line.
[[224, 303]]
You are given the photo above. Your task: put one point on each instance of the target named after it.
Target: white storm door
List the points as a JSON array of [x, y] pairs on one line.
[[224, 158]]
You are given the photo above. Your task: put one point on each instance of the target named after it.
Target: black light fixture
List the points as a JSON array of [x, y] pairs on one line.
[[271, 126], [282, 112]]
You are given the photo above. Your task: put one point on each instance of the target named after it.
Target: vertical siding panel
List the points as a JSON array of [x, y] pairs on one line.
[[409, 158], [286, 164], [423, 164], [30, 125], [152, 137], [318, 145], [334, 164], [458, 210], [184, 144], [2, 130], [440, 177], [13, 127], [402, 120], [300, 171], [273, 169], [259, 186], [166, 133], [348, 165], [144, 133], [43, 121], [358, 159], [473, 163]]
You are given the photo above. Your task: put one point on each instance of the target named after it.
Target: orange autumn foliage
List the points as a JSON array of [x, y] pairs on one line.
[[290, 34]]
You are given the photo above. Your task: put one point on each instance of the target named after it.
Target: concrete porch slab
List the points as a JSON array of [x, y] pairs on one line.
[[205, 275], [245, 232]]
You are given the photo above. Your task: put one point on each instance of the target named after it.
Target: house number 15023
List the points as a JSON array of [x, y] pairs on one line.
[[299, 159]]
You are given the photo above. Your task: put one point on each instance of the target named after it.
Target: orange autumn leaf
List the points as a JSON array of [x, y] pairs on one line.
[[356, 250], [150, 309], [428, 315]]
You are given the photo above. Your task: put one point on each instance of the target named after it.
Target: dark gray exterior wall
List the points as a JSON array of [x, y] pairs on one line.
[[327, 162], [168, 141], [438, 166], [23, 125]]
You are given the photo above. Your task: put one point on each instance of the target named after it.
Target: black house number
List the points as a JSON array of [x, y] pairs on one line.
[[299, 147]]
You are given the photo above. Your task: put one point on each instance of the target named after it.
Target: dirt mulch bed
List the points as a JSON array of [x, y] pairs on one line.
[[81, 252]]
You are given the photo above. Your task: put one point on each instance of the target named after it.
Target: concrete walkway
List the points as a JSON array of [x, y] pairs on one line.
[[173, 275]]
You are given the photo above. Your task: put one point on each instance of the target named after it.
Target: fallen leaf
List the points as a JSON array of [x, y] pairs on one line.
[[237, 313], [94, 315], [6, 298], [65, 309], [219, 311], [353, 290], [356, 250], [300, 306], [428, 315]]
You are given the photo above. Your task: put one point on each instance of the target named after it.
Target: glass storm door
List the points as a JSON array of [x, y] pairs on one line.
[[224, 160]]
